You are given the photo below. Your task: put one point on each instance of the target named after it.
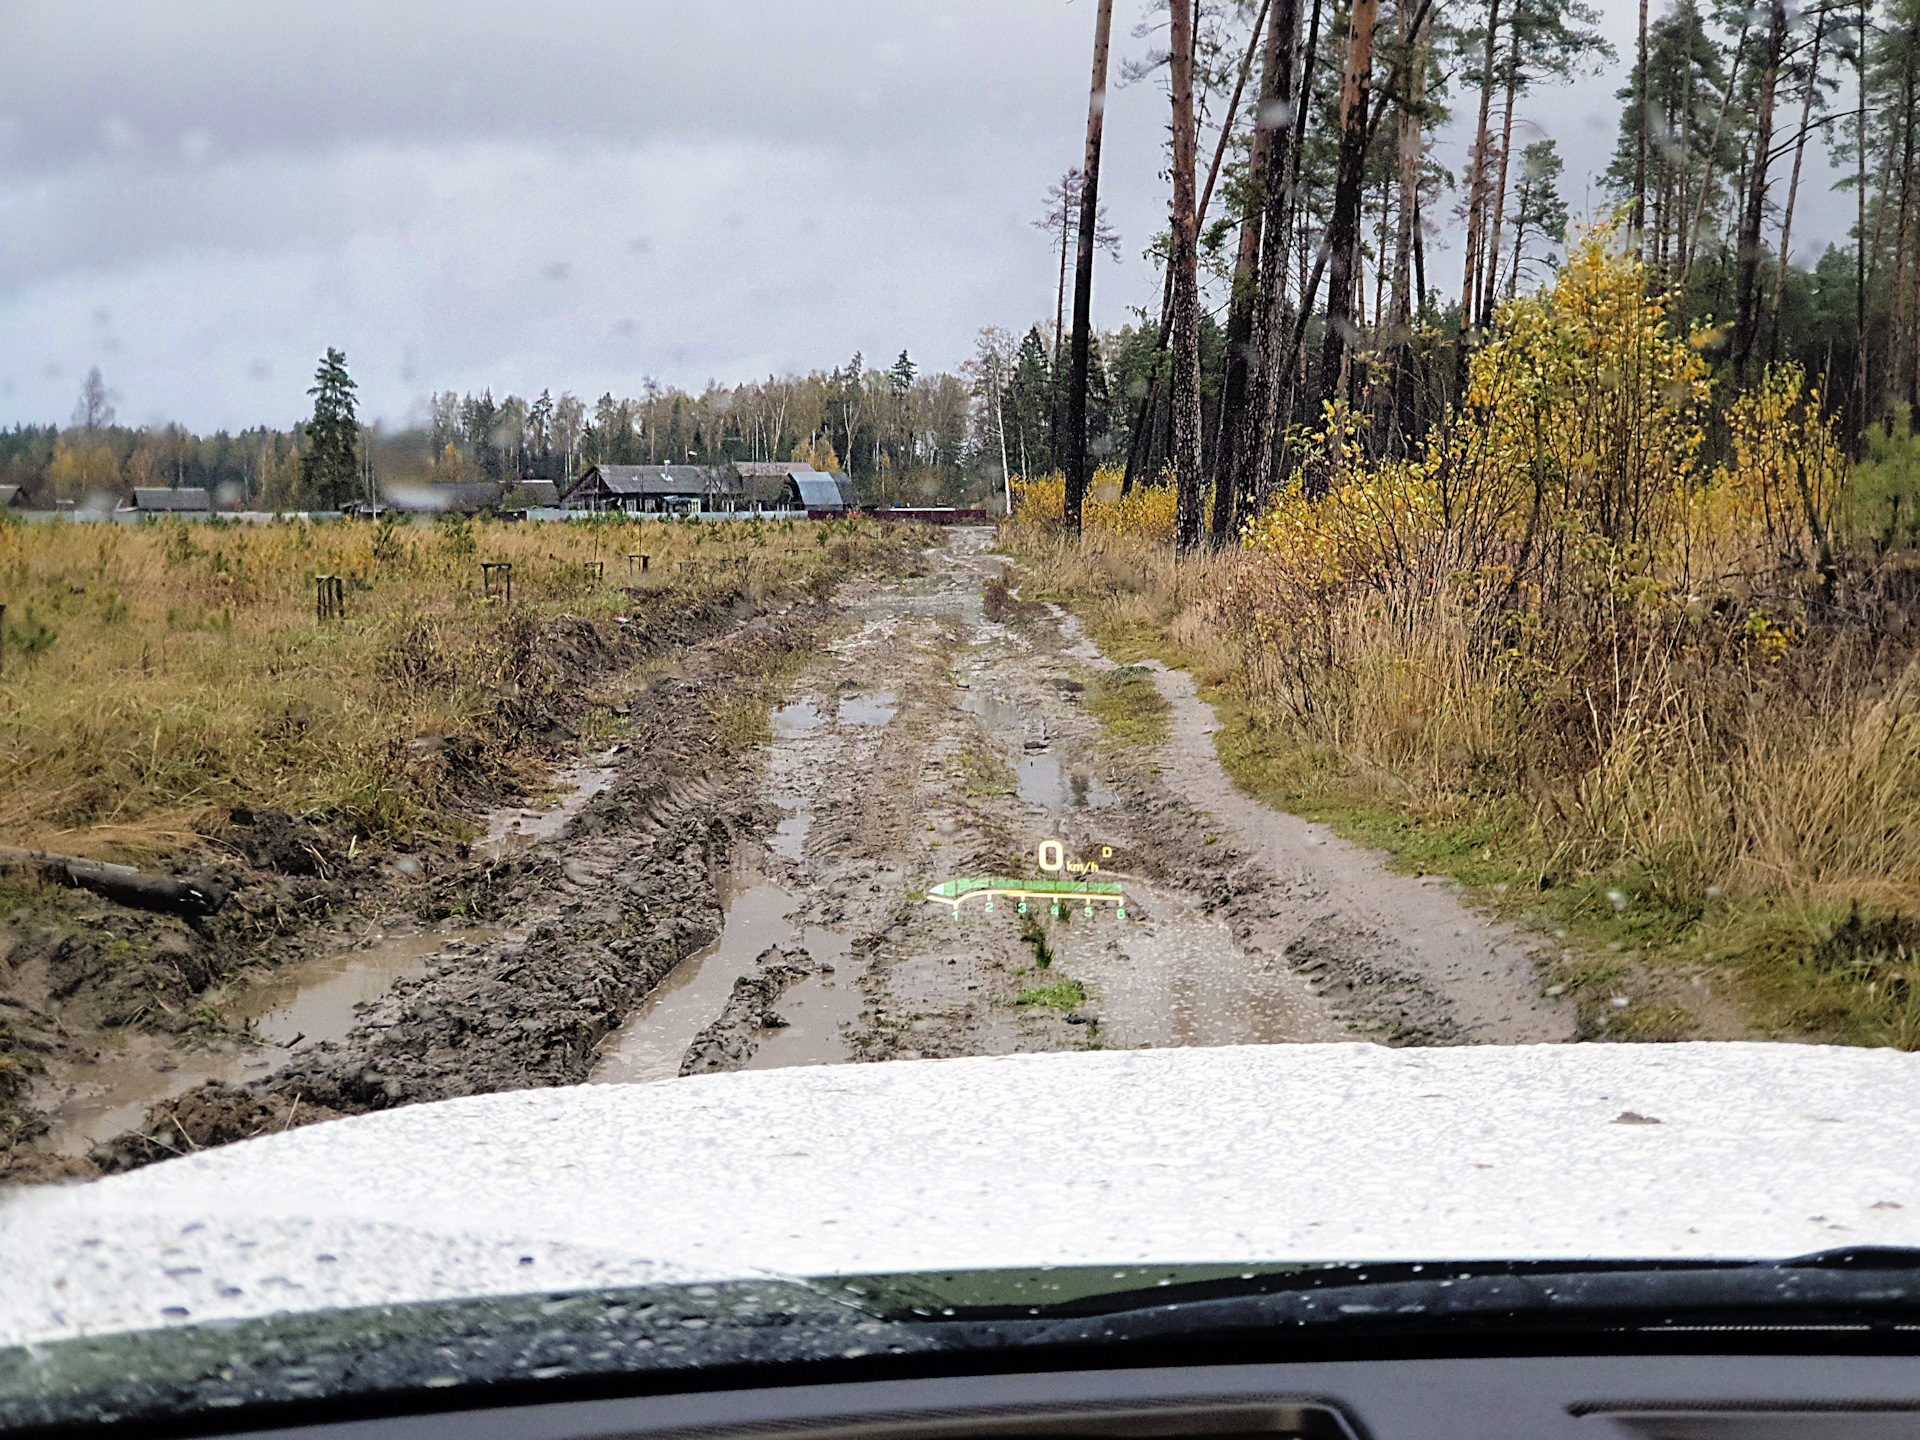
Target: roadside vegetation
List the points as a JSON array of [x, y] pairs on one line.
[[1629, 657], [154, 678]]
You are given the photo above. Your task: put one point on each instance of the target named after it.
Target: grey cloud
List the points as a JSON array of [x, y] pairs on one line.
[[524, 196]]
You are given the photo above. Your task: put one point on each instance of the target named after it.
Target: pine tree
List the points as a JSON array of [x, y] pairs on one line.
[[902, 374], [331, 465], [1183, 266], [1029, 407], [1538, 207]]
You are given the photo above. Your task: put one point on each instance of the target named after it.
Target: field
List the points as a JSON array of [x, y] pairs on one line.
[[154, 678]]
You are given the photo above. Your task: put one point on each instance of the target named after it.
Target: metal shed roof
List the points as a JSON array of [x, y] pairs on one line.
[[190, 497], [663, 479], [764, 469], [820, 490]]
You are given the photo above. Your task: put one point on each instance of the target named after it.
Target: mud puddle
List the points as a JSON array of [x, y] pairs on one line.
[[90, 1101], [320, 1000], [817, 1010], [795, 719], [1042, 780], [759, 914], [789, 838], [869, 709], [515, 829]]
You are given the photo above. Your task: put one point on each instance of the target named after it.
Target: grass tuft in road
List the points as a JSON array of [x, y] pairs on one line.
[[1033, 933], [1062, 995], [1130, 708]]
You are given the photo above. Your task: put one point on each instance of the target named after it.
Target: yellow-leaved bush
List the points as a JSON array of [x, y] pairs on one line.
[[1581, 430], [1146, 511]]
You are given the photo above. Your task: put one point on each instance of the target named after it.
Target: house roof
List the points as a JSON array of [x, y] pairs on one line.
[[461, 496], [534, 492], [768, 469], [160, 498], [822, 490], [9, 495], [663, 479]]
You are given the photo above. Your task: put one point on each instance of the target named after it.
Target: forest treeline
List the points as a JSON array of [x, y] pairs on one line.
[[1305, 193], [901, 434]]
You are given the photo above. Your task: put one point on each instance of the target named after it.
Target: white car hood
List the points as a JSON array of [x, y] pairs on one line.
[[1245, 1153]]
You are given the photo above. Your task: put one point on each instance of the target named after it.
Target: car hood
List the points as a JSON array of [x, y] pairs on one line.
[[1257, 1154]]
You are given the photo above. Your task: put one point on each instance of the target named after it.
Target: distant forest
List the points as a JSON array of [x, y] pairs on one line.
[[901, 435]]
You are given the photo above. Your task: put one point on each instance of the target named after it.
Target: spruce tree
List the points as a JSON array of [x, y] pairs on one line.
[[331, 465]]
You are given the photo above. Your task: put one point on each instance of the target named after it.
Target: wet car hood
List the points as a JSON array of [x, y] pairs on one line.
[[1256, 1154]]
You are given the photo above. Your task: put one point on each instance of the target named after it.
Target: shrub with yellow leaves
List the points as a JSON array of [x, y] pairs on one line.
[[1040, 505]]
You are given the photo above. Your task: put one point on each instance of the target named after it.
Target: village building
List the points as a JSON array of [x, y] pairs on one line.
[[662, 490], [163, 501], [460, 497], [13, 497], [816, 490], [531, 495]]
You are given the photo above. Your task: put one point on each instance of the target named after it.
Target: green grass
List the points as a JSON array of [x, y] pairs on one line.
[[981, 773], [1129, 707], [1062, 995], [1033, 933]]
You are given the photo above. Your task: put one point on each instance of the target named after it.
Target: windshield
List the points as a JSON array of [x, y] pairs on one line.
[[600, 690]]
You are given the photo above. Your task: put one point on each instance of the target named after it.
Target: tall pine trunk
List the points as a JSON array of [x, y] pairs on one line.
[[1746, 300], [1499, 200], [1267, 356], [1184, 386], [1896, 347], [1399, 319], [1237, 422], [1076, 438], [1343, 231], [1637, 216], [1476, 191], [1793, 184]]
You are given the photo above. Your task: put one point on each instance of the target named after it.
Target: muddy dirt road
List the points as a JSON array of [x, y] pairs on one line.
[[930, 743], [692, 907]]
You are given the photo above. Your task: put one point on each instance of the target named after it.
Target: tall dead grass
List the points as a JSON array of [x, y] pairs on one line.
[[152, 675]]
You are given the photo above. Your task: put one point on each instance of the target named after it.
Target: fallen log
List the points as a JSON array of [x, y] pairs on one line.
[[169, 894]]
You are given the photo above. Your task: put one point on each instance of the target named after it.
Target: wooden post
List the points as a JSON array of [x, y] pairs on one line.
[[643, 559], [596, 570], [330, 598], [503, 569], [3, 639]]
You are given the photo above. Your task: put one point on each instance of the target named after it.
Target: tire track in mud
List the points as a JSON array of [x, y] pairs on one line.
[[592, 920], [1402, 954]]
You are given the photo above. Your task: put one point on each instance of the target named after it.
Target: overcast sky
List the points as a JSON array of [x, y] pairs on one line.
[[201, 195]]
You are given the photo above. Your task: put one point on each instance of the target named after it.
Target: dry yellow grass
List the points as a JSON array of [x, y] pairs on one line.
[[154, 674]]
